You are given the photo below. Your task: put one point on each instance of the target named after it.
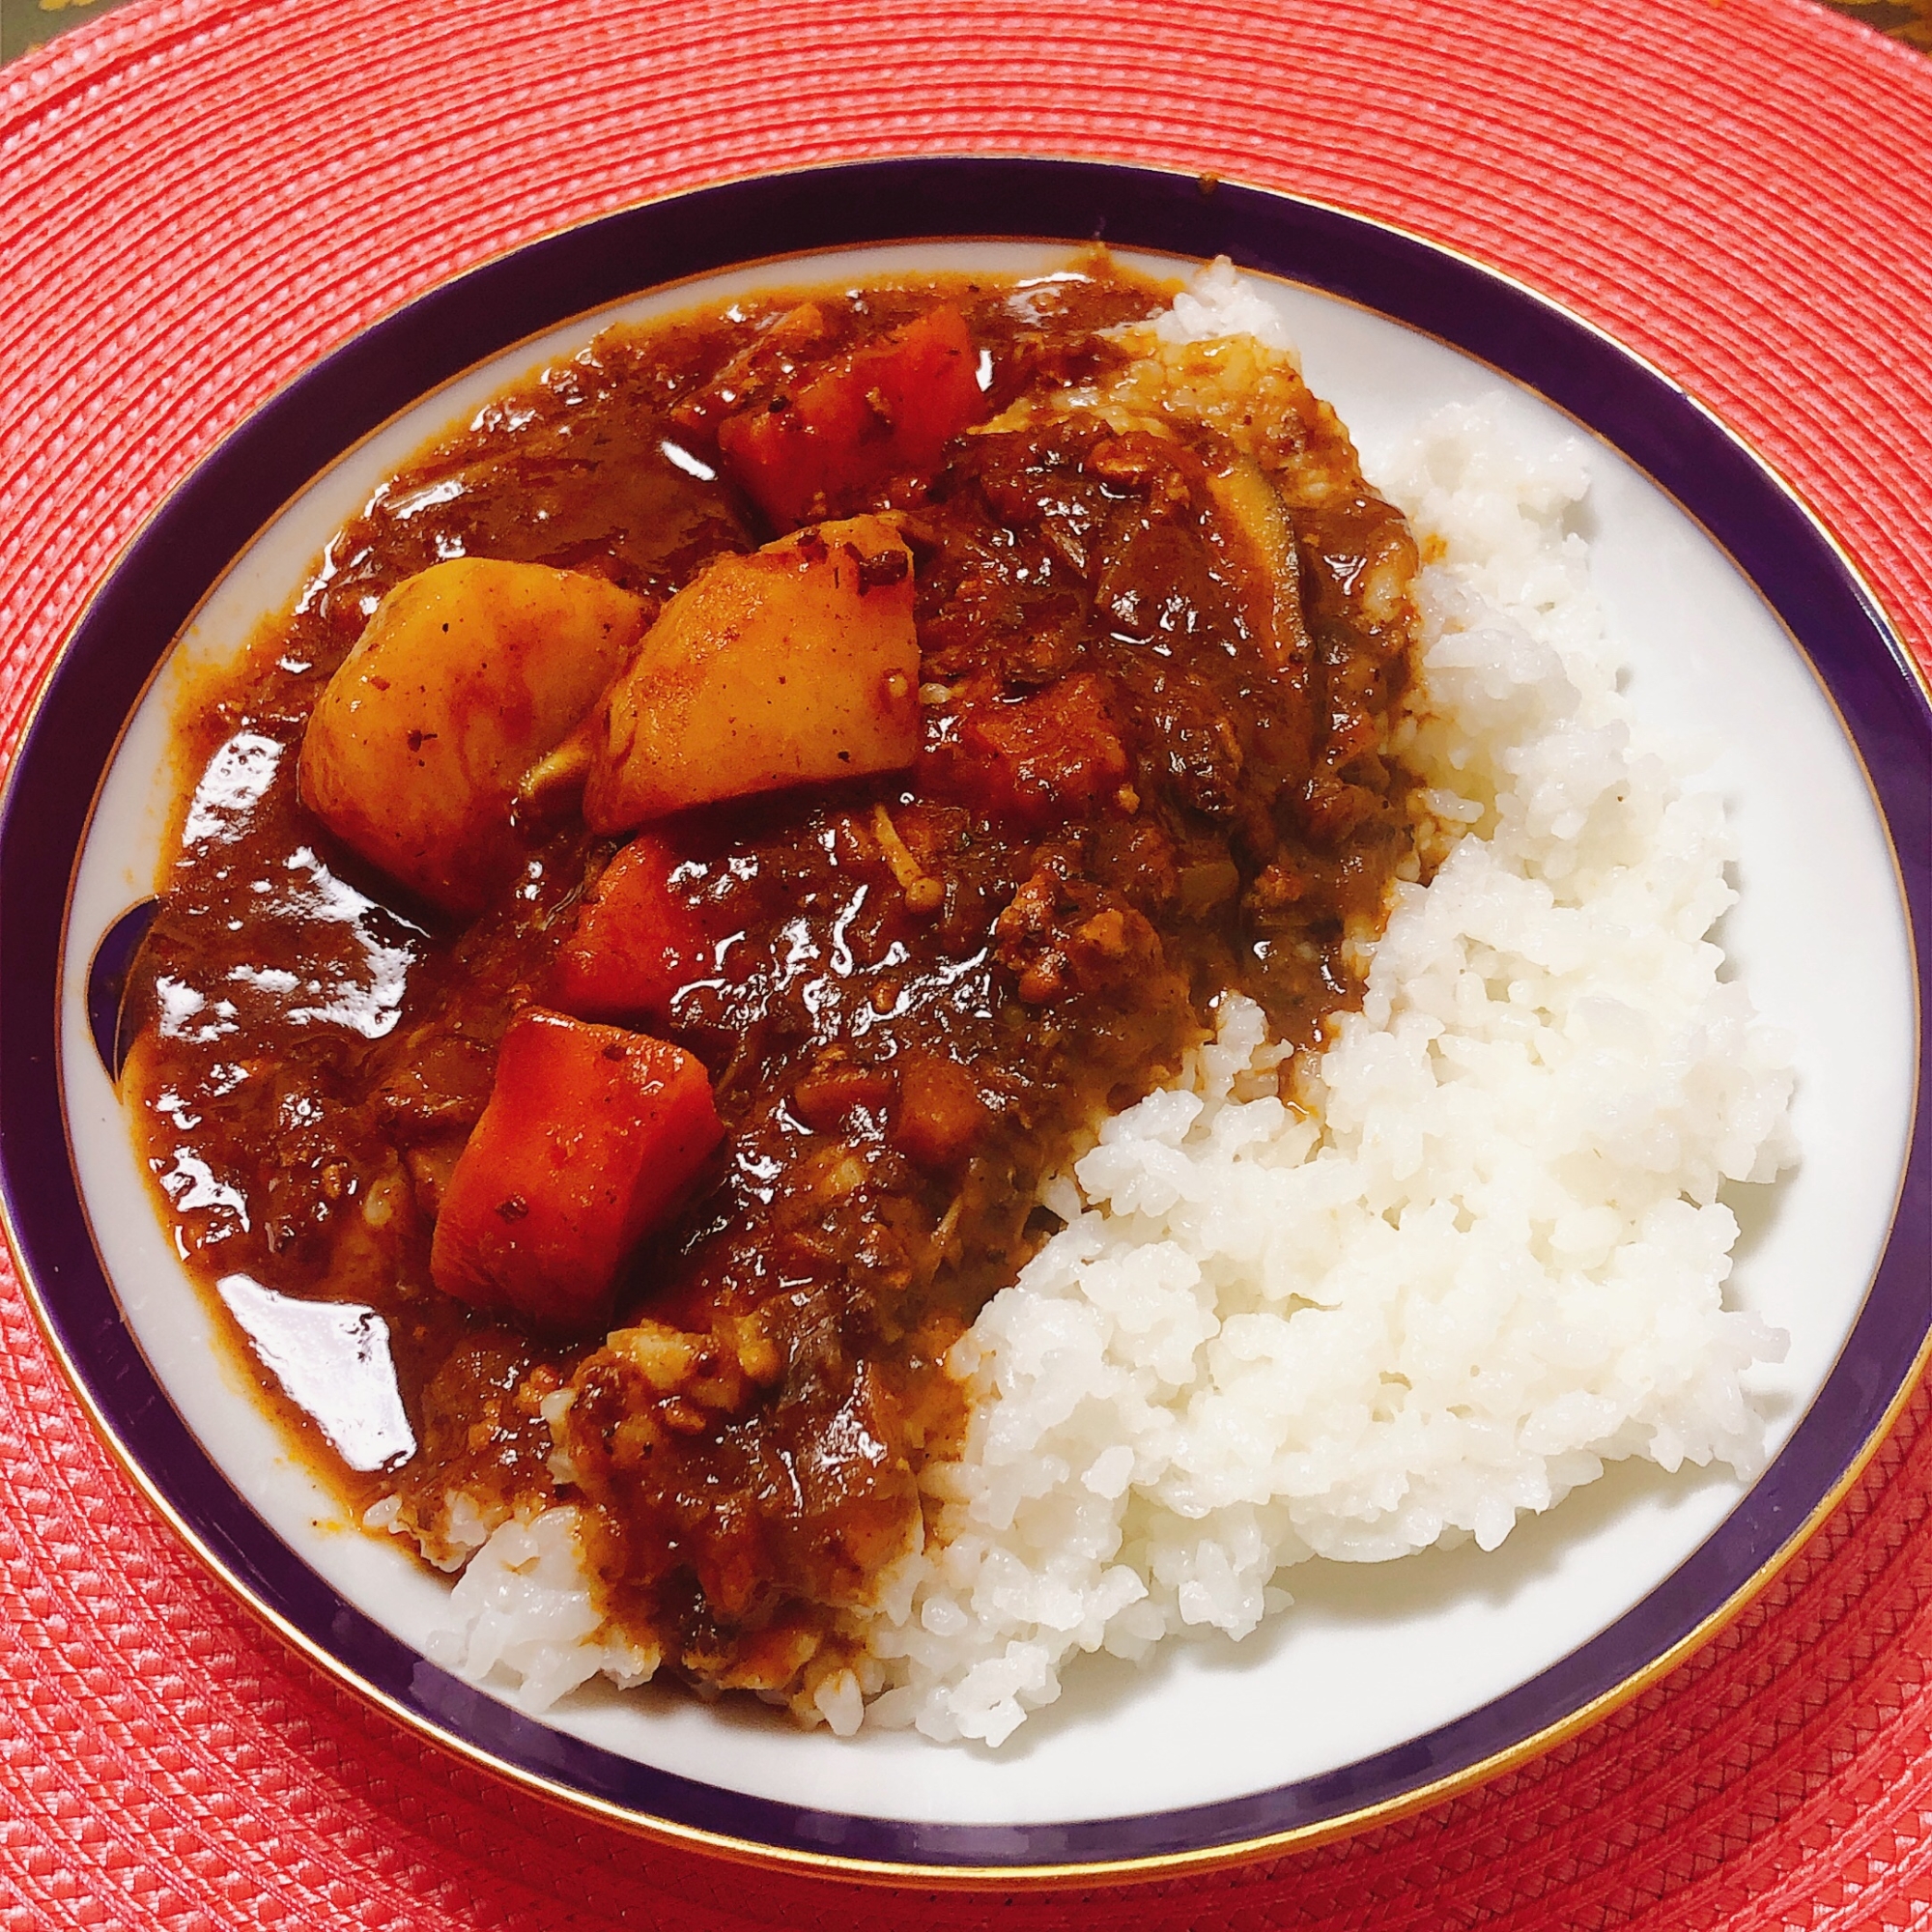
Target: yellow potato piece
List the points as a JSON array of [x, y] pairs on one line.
[[465, 675], [793, 665]]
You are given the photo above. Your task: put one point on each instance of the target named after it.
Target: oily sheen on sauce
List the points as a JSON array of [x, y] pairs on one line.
[[1151, 770]]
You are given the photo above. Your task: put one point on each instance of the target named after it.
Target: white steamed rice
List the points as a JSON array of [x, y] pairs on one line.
[[1483, 1257]]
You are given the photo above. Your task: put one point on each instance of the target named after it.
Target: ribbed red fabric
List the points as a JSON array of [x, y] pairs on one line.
[[203, 195]]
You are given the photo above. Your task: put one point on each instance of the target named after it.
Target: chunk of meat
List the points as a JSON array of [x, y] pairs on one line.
[[1197, 743], [884, 411], [591, 1139], [1065, 935], [637, 939], [465, 675], [794, 666]]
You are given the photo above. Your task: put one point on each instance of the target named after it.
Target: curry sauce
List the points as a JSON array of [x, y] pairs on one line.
[[1163, 631]]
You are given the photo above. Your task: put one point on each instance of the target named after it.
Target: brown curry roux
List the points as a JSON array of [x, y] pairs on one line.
[[1155, 768]]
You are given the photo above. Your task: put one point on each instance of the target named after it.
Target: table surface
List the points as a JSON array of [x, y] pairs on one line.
[[204, 194], [32, 23]]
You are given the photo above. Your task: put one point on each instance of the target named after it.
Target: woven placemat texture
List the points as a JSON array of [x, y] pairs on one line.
[[202, 196]]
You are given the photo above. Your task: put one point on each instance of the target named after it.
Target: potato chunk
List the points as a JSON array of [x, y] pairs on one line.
[[793, 665], [465, 675]]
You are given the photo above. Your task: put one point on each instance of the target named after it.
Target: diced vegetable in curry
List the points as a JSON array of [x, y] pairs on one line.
[[713, 837], [466, 673], [794, 666], [591, 1138]]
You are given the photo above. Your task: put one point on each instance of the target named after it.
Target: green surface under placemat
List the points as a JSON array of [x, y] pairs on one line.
[[27, 23]]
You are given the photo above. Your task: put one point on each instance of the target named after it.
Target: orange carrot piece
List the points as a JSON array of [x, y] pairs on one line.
[[882, 411], [636, 940], [1056, 749], [940, 1112], [590, 1141]]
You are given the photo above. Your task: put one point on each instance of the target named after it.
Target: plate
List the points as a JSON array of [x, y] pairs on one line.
[[1742, 616]]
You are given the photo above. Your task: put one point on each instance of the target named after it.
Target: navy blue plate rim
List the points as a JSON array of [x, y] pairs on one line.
[[160, 579]]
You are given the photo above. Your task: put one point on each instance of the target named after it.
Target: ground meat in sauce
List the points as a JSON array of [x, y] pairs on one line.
[[1158, 659]]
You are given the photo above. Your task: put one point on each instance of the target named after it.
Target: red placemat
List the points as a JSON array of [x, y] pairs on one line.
[[203, 195]]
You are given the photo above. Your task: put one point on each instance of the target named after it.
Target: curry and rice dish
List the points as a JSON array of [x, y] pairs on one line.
[[913, 992], [724, 830]]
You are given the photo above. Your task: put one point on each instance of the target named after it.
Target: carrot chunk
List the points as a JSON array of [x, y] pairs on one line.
[[591, 1139], [882, 411], [636, 940], [1054, 751], [939, 1113]]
